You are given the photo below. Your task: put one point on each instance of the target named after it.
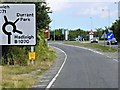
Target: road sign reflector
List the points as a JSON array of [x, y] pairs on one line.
[[31, 55]]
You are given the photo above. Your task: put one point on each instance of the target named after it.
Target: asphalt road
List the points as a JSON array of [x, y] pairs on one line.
[[85, 69]]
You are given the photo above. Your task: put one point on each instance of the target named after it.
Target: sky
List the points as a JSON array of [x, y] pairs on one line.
[[83, 14]]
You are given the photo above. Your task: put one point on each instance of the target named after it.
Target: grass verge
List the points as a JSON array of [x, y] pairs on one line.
[[25, 76], [94, 46]]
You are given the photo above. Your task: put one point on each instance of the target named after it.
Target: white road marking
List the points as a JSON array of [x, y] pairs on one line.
[[45, 80], [91, 50], [53, 80], [39, 86], [115, 60], [46, 77]]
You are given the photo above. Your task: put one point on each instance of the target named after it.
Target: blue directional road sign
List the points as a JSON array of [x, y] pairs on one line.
[[81, 37], [110, 36]]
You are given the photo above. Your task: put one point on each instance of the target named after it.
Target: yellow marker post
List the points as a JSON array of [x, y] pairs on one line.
[[31, 55]]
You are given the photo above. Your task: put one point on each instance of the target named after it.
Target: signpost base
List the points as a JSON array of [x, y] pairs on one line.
[[32, 55], [32, 62], [109, 45]]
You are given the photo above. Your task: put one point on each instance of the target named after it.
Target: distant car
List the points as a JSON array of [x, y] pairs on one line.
[[94, 40], [112, 42], [76, 39], [72, 39]]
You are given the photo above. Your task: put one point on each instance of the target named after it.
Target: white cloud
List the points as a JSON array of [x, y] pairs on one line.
[[108, 13], [58, 5], [90, 12], [91, 9], [96, 9], [85, 7]]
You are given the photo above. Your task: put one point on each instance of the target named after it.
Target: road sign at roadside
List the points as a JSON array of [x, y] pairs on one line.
[[91, 33], [110, 36], [104, 35], [17, 24], [47, 33], [31, 55]]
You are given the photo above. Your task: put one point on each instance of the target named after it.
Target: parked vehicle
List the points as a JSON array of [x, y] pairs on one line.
[[72, 39], [94, 40], [112, 42], [76, 39]]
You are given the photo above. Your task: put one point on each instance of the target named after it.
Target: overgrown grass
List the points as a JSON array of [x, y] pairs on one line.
[[0, 77], [25, 76], [94, 46]]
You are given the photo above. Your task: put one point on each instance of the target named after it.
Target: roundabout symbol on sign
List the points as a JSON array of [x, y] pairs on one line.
[[14, 28]]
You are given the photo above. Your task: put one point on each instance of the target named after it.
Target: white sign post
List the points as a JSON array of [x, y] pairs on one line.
[[66, 35], [17, 24]]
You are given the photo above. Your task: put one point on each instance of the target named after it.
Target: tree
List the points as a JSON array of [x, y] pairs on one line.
[[116, 29], [58, 34], [99, 32], [78, 32], [43, 18]]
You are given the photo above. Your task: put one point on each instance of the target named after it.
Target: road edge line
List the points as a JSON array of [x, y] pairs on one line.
[[91, 51], [55, 77]]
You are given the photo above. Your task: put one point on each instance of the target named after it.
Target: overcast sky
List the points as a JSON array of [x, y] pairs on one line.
[[84, 14]]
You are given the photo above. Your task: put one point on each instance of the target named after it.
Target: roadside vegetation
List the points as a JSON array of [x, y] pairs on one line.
[[98, 32], [17, 71], [93, 46], [16, 76], [115, 28]]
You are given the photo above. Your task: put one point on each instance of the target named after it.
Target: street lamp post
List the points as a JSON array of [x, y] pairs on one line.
[[108, 22], [54, 35], [118, 10], [91, 22], [91, 31], [117, 3], [108, 16], [54, 30]]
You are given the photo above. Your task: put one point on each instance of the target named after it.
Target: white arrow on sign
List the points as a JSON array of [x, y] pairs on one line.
[[110, 36]]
